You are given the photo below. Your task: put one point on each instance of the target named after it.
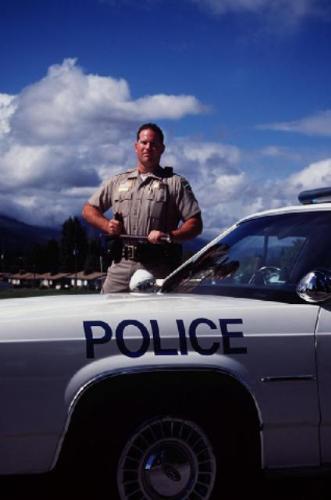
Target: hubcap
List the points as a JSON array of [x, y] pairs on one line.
[[168, 469], [167, 459]]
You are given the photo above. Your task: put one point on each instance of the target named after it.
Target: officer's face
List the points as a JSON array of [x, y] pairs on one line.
[[149, 149]]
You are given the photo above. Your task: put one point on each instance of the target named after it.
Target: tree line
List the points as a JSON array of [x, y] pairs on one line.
[[74, 251]]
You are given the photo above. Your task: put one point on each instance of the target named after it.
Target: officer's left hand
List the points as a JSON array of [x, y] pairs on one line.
[[156, 237]]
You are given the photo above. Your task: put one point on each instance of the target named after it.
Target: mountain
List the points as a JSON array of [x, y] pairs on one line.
[[17, 235]]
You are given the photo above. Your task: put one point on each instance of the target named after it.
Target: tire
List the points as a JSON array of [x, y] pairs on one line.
[[181, 446], [167, 458]]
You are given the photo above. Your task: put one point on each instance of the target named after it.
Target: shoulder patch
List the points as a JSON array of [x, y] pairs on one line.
[[186, 185]]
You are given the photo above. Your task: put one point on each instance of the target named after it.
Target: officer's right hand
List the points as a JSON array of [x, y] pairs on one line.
[[114, 227]]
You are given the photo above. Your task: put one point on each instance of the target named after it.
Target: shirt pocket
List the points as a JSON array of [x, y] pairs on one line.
[[123, 202], [157, 200]]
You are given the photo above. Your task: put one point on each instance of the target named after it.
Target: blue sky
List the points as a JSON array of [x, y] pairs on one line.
[[240, 87]]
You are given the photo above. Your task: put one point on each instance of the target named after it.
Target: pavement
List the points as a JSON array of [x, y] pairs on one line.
[[48, 487]]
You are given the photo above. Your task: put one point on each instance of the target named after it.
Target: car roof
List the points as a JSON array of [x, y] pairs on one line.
[[314, 207]]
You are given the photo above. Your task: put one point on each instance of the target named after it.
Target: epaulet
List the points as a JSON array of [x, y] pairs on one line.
[[129, 171], [168, 171]]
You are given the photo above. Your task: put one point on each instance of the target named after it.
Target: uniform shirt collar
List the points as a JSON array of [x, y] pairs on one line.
[[133, 174], [156, 174]]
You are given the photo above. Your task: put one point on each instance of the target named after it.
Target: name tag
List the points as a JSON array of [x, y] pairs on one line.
[[123, 188]]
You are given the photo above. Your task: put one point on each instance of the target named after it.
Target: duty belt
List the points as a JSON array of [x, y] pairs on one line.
[[141, 252]]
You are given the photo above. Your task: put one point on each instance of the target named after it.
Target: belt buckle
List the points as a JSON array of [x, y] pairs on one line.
[[131, 252]]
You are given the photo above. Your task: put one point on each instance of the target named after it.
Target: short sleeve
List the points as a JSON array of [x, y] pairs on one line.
[[102, 198], [186, 201]]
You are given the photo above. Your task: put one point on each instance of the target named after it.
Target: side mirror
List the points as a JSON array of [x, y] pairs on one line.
[[315, 286], [145, 286], [145, 282]]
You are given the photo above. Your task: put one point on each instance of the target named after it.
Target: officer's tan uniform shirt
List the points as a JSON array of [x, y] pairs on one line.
[[159, 202]]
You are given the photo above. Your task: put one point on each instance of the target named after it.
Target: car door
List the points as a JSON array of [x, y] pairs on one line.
[[281, 366]]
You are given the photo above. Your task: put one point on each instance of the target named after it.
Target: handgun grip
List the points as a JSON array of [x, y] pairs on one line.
[[118, 216]]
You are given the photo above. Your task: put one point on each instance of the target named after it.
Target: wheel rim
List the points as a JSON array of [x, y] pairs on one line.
[[167, 458]]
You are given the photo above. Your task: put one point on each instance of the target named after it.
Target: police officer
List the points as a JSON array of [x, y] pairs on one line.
[[147, 201]]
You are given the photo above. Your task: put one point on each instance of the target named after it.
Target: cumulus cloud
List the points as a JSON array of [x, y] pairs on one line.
[[213, 170], [67, 105], [280, 192], [61, 136], [7, 108], [231, 196], [316, 175], [318, 124]]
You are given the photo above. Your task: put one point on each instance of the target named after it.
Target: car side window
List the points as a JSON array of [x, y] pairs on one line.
[[261, 256]]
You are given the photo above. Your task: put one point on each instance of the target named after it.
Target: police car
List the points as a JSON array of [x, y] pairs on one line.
[[225, 370]]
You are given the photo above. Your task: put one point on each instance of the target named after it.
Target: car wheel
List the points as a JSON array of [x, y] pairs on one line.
[[167, 457]]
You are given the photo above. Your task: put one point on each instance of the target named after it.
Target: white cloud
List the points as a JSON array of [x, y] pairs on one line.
[[318, 124], [279, 152], [207, 166], [68, 105], [173, 107], [65, 133], [210, 152], [316, 175], [216, 178], [61, 136], [7, 108], [235, 197]]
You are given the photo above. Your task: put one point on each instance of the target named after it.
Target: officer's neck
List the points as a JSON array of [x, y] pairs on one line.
[[147, 169]]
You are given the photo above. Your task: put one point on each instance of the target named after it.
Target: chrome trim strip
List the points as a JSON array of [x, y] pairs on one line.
[[288, 378]]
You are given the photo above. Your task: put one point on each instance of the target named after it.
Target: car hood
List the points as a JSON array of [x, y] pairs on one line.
[[57, 310], [119, 302]]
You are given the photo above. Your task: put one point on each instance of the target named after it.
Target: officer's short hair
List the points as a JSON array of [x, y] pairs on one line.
[[154, 127]]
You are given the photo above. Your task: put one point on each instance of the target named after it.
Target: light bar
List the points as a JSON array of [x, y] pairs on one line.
[[320, 195]]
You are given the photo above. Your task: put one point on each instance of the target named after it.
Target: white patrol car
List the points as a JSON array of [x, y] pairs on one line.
[[166, 395]]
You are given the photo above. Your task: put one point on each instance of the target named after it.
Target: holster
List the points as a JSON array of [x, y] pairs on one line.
[[114, 249]]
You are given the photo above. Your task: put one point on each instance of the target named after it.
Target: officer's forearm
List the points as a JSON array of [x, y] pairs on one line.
[[92, 215], [188, 230]]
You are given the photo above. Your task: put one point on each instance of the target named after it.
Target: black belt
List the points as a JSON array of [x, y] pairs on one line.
[[147, 252]]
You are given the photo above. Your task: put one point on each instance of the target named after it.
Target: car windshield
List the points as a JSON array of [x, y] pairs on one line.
[[260, 258]]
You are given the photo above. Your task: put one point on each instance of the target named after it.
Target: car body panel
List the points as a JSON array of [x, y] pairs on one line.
[[53, 349], [44, 365]]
